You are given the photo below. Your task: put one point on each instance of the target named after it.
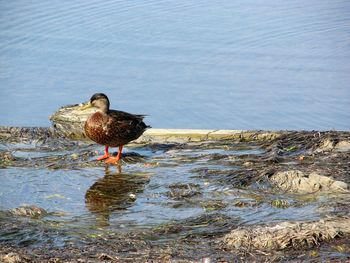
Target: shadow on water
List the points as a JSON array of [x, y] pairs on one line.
[[115, 191]]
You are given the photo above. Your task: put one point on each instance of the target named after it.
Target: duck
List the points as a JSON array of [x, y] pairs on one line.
[[111, 128]]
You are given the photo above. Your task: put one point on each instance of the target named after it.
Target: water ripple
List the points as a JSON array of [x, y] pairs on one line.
[[244, 64]]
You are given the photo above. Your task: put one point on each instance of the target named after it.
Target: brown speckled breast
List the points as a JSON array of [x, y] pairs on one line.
[[107, 130]]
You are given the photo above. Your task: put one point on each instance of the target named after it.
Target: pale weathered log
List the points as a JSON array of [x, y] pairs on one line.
[[69, 121]]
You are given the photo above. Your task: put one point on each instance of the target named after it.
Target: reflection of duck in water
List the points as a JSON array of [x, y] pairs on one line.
[[112, 128], [113, 192]]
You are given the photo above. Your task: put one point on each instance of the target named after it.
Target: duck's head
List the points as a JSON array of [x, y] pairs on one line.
[[100, 101]]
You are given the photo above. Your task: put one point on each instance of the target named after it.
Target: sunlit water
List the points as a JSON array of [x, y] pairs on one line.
[[169, 187], [188, 64]]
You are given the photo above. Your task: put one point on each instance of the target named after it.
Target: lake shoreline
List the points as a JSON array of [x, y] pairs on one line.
[[301, 164]]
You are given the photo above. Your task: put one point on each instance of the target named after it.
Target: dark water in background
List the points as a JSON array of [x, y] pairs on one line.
[[188, 64]]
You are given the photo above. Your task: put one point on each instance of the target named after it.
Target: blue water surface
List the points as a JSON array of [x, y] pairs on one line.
[[187, 64]]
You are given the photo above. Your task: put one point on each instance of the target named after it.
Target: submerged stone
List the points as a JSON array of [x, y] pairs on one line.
[[32, 211], [181, 191]]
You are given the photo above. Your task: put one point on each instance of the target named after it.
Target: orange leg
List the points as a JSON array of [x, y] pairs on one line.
[[116, 158], [105, 156]]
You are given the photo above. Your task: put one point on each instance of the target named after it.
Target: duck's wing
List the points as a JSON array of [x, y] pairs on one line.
[[125, 118]]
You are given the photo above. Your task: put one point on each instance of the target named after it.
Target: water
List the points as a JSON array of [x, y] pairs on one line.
[[168, 188], [188, 64]]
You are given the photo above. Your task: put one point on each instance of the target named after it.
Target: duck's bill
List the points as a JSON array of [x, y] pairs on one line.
[[85, 106]]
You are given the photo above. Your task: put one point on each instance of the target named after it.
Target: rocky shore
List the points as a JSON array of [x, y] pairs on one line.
[[299, 167]]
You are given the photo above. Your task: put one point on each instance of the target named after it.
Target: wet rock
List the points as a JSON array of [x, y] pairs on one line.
[[29, 211], [248, 164], [297, 181], [326, 145], [205, 224], [286, 234], [333, 145], [244, 204], [6, 158], [69, 121], [342, 146], [168, 229], [11, 258], [54, 260], [280, 203], [213, 205], [181, 191], [106, 257], [25, 134]]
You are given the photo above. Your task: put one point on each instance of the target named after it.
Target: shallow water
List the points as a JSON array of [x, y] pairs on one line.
[[227, 65], [166, 189]]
